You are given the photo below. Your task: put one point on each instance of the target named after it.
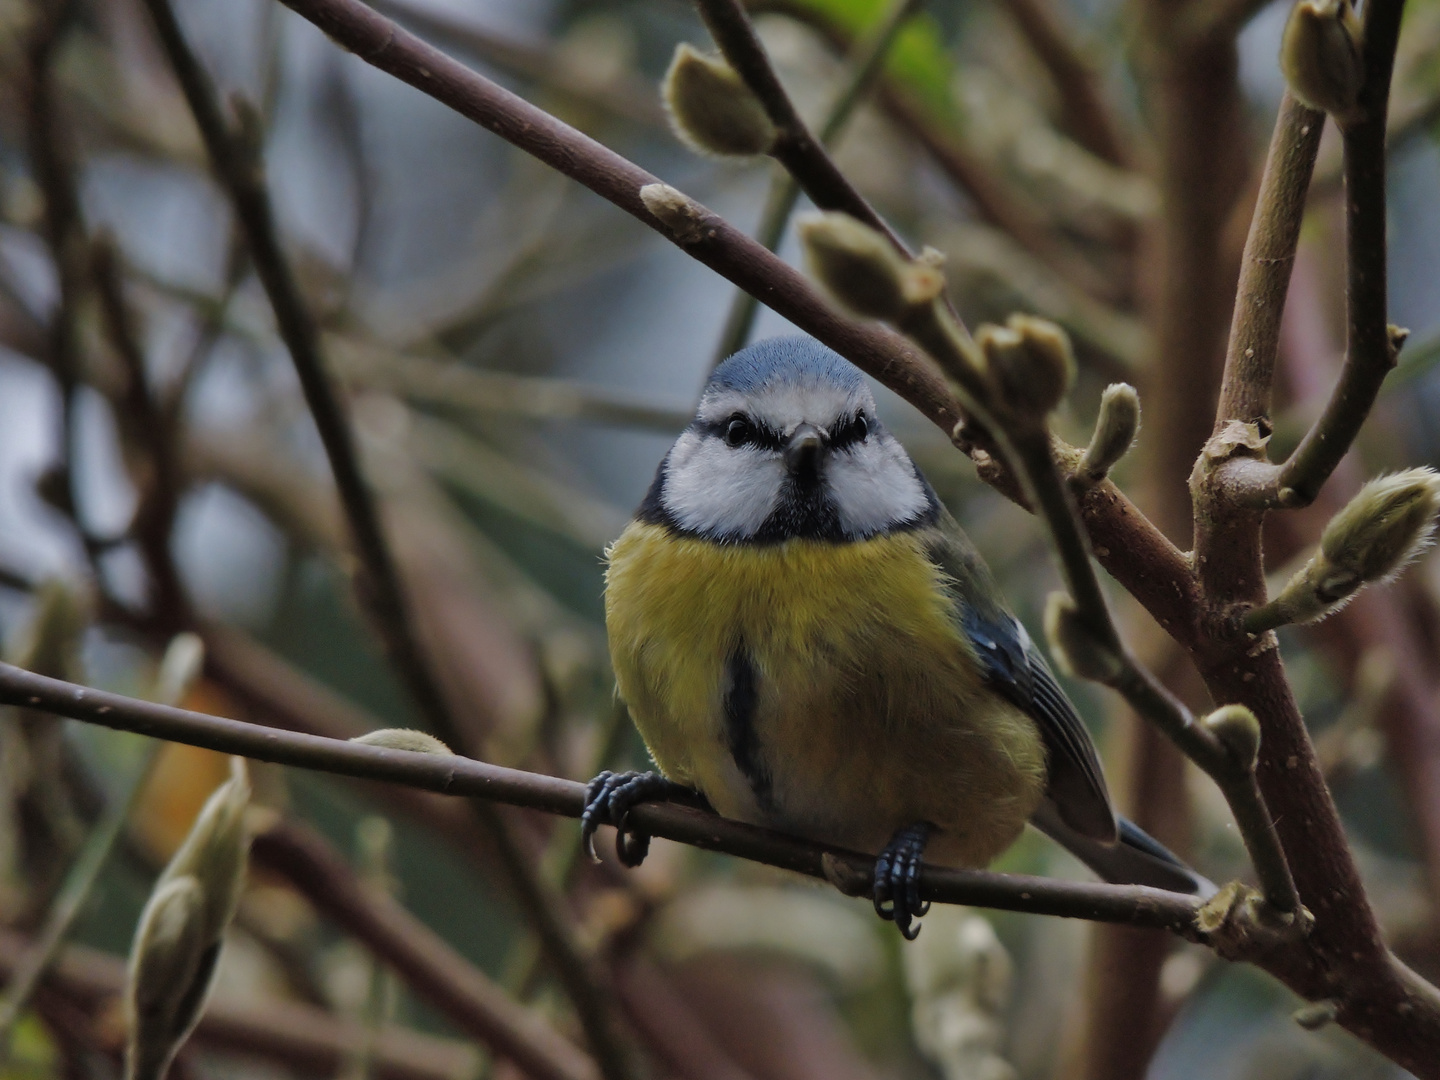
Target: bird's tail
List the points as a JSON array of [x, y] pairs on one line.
[[1136, 858]]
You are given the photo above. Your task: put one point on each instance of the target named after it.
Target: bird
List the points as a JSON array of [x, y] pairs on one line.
[[807, 640]]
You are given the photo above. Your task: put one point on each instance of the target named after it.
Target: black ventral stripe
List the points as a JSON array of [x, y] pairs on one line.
[[741, 699]]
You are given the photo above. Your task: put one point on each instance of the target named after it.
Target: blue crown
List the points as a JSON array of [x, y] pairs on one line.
[[784, 360]]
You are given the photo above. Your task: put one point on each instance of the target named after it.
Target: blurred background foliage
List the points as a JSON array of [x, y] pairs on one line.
[[517, 357]]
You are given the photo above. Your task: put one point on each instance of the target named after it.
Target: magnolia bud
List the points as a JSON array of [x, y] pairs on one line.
[[1031, 364], [177, 941], [417, 742], [862, 270], [1078, 651], [1320, 55], [1388, 523], [1238, 731], [1115, 430], [711, 109]]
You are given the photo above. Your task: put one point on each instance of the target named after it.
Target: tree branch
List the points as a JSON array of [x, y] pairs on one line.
[[236, 159], [430, 967], [455, 775], [868, 58], [1087, 116], [803, 156], [1127, 544], [1370, 351], [310, 1040], [1267, 262]]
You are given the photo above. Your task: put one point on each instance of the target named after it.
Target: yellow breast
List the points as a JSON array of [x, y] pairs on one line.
[[869, 710]]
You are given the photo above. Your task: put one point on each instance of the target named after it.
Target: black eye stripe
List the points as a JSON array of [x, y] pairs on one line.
[[757, 435], [851, 430]]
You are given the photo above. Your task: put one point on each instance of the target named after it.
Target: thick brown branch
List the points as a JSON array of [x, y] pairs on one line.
[[456, 775]]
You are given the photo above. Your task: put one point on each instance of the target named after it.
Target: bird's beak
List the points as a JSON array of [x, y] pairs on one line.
[[802, 450]]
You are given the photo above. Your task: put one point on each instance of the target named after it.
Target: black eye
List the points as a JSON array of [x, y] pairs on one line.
[[850, 431], [738, 432]]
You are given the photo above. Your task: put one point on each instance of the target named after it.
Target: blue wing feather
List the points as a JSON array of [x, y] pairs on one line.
[[1014, 667]]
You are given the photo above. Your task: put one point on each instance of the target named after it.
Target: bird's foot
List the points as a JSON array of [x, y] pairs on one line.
[[608, 801], [897, 879]]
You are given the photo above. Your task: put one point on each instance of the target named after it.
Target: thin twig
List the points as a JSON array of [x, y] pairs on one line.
[[455, 775], [30, 967], [995, 200], [869, 56], [1147, 564], [235, 157], [1087, 116], [1370, 354], [309, 1040], [1030, 451], [146, 427], [428, 965], [235, 160], [624, 95], [800, 152]]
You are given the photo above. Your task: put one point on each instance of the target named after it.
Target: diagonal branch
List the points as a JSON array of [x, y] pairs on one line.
[[453, 985], [236, 163], [1147, 564], [868, 58], [1087, 116], [235, 157], [803, 156], [304, 1038], [454, 775]]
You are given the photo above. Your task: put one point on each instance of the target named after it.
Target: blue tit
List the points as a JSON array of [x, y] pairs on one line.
[[806, 639]]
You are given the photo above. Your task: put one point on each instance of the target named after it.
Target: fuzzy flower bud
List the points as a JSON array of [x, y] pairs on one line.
[[1320, 55], [177, 941], [1238, 731], [417, 742], [1388, 523], [711, 109], [862, 270], [1031, 365], [1077, 650], [1115, 430]]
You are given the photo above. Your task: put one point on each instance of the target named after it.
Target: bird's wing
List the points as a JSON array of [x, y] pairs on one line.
[[1014, 667]]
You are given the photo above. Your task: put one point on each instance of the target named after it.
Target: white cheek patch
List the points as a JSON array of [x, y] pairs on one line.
[[874, 486], [713, 489]]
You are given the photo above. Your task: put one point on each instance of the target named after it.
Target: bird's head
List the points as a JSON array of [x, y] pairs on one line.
[[785, 443]]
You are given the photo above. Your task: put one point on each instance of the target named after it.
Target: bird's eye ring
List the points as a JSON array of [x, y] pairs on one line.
[[738, 432]]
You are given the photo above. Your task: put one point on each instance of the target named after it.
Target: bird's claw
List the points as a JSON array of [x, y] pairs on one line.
[[608, 801], [897, 880]]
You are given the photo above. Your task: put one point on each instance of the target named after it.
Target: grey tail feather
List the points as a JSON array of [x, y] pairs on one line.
[[1136, 858]]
